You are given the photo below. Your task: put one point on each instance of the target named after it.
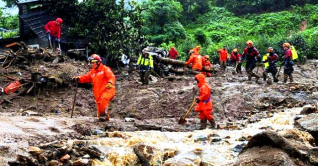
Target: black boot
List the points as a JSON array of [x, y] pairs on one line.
[[275, 79], [257, 78], [203, 124], [285, 78], [291, 78], [264, 76], [212, 122]]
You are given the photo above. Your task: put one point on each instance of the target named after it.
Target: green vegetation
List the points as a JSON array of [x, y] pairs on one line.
[[111, 27], [8, 22], [218, 27]]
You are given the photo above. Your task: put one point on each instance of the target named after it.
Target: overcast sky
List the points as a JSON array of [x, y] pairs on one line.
[[12, 11]]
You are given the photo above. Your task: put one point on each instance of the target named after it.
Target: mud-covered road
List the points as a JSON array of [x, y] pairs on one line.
[[44, 116]]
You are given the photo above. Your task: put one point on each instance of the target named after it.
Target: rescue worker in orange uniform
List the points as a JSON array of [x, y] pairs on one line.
[[173, 53], [223, 57], [103, 80], [288, 63], [207, 65], [195, 59], [204, 102], [252, 56], [237, 60], [53, 31]]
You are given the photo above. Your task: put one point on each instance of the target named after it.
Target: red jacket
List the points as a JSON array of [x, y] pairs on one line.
[[173, 53], [223, 54], [235, 57], [99, 77], [55, 30], [205, 94]]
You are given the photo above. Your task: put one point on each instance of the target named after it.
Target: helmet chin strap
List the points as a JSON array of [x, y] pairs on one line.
[[98, 63]]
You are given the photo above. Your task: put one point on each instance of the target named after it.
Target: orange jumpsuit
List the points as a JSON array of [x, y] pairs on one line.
[[100, 77], [195, 59], [204, 107], [207, 64]]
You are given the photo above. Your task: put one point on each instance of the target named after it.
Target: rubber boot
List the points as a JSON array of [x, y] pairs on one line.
[[203, 123], [212, 122], [285, 78], [249, 78], [257, 78], [275, 79], [264, 76], [291, 78]]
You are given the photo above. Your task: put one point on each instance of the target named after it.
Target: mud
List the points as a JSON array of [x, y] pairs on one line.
[[157, 106]]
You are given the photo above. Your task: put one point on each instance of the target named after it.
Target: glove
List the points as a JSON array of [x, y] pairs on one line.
[[58, 40], [197, 100], [75, 79], [48, 32], [109, 85]]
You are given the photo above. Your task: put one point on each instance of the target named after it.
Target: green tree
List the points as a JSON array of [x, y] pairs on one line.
[[162, 21]]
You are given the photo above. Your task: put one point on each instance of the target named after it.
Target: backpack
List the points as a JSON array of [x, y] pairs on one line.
[[294, 52]]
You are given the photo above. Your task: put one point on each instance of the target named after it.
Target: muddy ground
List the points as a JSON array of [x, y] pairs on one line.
[[43, 115]]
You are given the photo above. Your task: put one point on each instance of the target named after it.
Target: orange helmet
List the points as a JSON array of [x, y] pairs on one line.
[[59, 20], [270, 49], [249, 42], [94, 58], [286, 45]]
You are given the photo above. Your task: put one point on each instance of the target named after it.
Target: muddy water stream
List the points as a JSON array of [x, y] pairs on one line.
[[211, 146]]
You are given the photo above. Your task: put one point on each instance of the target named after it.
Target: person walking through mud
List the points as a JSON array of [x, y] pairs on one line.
[[207, 65], [251, 55], [195, 59], [204, 102], [237, 60], [103, 80], [53, 31], [223, 57], [272, 59], [145, 63], [288, 63]]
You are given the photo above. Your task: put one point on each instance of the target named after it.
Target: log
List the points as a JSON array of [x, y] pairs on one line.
[[178, 63]]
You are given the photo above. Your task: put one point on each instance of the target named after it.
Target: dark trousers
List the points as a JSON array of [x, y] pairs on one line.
[[144, 76]]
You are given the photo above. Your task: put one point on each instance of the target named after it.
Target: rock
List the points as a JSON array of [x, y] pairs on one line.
[[308, 109], [86, 156], [292, 149], [200, 138], [239, 148], [31, 113], [65, 158], [35, 150], [144, 153], [97, 132], [129, 120], [216, 139], [313, 156], [309, 124], [53, 163], [81, 162]]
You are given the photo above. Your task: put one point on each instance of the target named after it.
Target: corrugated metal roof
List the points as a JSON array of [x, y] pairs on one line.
[[27, 1]]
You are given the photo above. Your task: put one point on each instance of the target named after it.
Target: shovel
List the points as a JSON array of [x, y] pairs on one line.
[[50, 41], [182, 119], [74, 98]]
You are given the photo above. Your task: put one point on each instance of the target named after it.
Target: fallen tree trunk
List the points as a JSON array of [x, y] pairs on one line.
[[179, 63]]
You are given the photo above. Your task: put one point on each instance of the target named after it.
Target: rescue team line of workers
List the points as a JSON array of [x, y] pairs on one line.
[[103, 79]]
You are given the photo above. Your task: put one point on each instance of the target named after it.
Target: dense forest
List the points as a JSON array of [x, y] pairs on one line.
[[129, 26]]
